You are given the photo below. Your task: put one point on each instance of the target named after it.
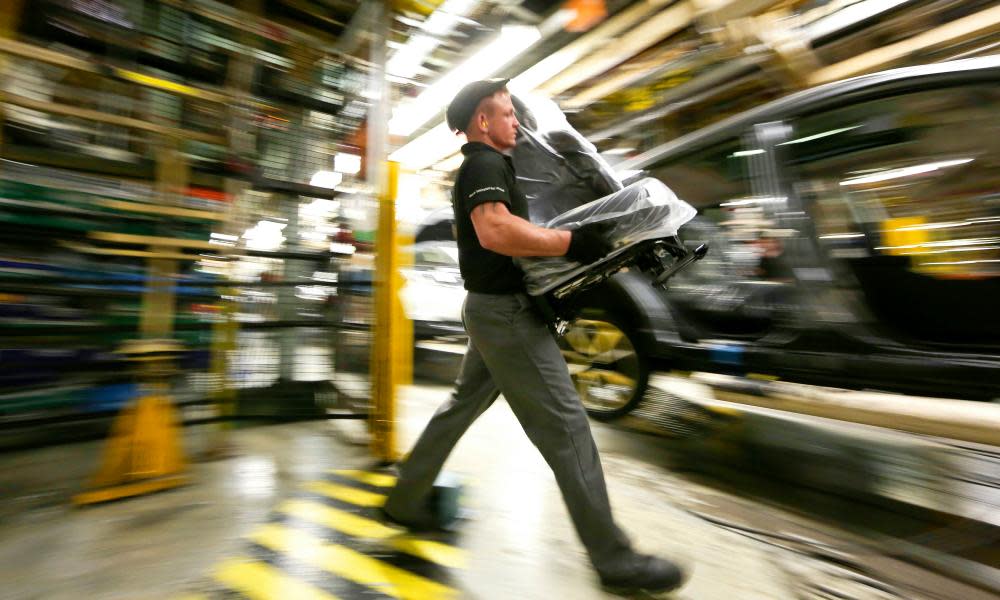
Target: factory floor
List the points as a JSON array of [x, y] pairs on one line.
[[286, 511]]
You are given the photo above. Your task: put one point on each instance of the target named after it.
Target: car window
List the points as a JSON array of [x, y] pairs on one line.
[[732, 219], [914, 176], [442, 255], [709, 177]]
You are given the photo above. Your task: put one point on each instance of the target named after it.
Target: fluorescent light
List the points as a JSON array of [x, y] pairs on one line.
[[451, 163], [948, 224], [349, 164], [951, 244], [440, 143], [746, 202], [810, 138], [741, 153], [326, 179], [904, 172], [406, 61], [428, 148], [848, 16], [446, 16], [512, 41], [841, 236], [755, 200], [951, 250], [548, 68], [965, 262], [929, 226]]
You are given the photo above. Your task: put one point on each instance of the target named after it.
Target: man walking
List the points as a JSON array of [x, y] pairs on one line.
[[511, 351]]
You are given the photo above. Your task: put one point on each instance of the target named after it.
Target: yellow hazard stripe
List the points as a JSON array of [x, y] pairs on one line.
[[260, 581], [376, 479], [345, 493], [351, 565], [360, 527]]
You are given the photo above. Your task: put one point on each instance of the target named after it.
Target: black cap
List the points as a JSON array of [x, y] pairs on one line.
[[464, 104]]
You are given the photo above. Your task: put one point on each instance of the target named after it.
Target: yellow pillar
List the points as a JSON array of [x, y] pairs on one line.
[[403, 326], [386, 370], [144, 452]]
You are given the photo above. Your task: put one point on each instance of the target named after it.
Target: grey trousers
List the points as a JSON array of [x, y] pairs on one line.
[[511, 351]]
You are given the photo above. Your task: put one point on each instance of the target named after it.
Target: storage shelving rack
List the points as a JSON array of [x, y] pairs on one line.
[[140, 139]]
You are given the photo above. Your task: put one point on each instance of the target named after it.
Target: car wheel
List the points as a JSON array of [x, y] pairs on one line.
[[609, 373]]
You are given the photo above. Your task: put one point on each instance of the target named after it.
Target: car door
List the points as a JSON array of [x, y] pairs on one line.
[[742, 289], [904, 195]]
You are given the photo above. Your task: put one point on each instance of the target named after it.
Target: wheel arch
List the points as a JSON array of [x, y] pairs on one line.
[[631, 298]]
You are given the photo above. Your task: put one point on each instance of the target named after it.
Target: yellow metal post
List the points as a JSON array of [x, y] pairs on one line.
[[386, 370], [144, 453], [403, 326], [224, 333]]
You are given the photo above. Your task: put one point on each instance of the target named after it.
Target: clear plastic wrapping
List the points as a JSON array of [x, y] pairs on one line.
[[568, 183], [557, 168], [645, 210]]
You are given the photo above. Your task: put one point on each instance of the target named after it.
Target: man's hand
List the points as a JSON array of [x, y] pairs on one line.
[[590, 243]]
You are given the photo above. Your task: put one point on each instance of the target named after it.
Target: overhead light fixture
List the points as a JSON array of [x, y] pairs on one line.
[[904, 172], [406, 60], [512, 41], [542, 71], [451, 163], [817, 136], [440, 143], [848, 16], [428, 148]]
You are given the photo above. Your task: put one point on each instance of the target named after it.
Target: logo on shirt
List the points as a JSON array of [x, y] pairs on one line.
[[491, 188]]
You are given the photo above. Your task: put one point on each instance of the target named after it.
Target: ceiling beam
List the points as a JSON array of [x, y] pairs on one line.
[[977, 24]]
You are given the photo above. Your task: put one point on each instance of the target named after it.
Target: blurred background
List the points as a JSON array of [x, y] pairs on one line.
[[243, 207]]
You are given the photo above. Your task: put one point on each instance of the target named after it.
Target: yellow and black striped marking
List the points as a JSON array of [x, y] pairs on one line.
[[328, 543]]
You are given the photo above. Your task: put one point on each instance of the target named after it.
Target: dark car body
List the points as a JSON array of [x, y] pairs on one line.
[[855, 238]]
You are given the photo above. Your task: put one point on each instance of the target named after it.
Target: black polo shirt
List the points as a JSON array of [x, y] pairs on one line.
[[486, 175]]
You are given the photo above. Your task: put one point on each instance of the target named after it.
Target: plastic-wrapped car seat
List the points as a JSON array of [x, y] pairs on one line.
[[567, 185]]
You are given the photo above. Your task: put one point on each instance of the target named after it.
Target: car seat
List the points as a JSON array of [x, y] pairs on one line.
[[567, 185]]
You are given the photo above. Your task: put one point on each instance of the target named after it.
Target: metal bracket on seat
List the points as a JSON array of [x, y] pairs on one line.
[[690, 257], [648, 256]]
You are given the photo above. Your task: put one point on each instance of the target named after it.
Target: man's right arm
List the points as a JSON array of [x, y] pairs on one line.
[[502, 232]]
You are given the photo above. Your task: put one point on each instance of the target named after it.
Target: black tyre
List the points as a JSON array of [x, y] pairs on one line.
[[609, 373]]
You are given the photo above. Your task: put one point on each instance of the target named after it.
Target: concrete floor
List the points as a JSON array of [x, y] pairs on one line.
[[519, 543]]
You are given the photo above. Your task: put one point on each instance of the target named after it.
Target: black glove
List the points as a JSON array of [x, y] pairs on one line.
[[589, 243]]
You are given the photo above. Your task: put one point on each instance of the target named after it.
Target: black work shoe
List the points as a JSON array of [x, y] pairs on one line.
[[653, 576], [422, 526]]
